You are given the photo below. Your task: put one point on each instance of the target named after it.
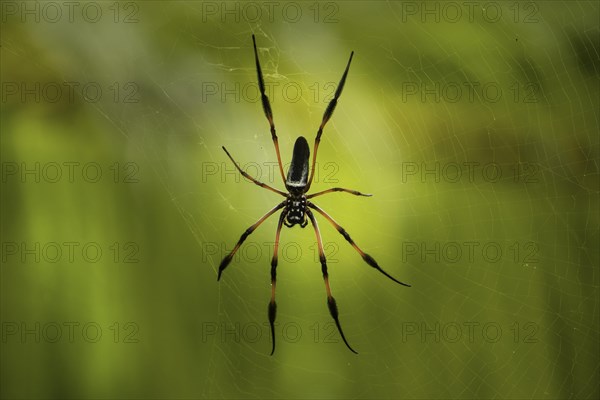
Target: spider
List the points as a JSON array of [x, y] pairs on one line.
[[297, 209]]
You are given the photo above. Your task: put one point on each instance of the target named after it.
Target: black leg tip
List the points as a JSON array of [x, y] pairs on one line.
[[333, 310], [272, 315], [371, 261]]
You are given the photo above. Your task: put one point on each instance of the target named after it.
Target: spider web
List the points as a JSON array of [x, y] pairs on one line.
[[522, 323]]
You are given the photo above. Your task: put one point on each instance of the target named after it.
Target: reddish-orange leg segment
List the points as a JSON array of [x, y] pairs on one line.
[[272, 304], [337, 189], [328, 113], [267, 108], [333, 310], [245, 175], [246, 233], [367, 258]]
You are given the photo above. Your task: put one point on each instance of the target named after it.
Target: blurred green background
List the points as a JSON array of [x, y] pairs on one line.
[[474, 126]]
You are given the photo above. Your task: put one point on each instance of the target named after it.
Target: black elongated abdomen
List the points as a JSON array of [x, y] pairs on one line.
[[297, 177]]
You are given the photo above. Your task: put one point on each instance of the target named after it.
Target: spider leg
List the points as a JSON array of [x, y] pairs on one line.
[[263, 185], [337, 189], [333, 310], [267, 107], [272, 304], [246, 233], [328, 113], [367, 258]]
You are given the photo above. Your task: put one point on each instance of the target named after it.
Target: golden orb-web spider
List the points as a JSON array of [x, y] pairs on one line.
[[296, 206]]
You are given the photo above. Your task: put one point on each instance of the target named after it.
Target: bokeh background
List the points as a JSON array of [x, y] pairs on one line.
[[474, 126]]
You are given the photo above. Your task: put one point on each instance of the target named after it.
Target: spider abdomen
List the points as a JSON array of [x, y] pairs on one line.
[[297, 177], [296, 211]]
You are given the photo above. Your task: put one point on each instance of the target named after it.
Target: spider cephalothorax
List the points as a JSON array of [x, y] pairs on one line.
[[296, 206], [295, 210]]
